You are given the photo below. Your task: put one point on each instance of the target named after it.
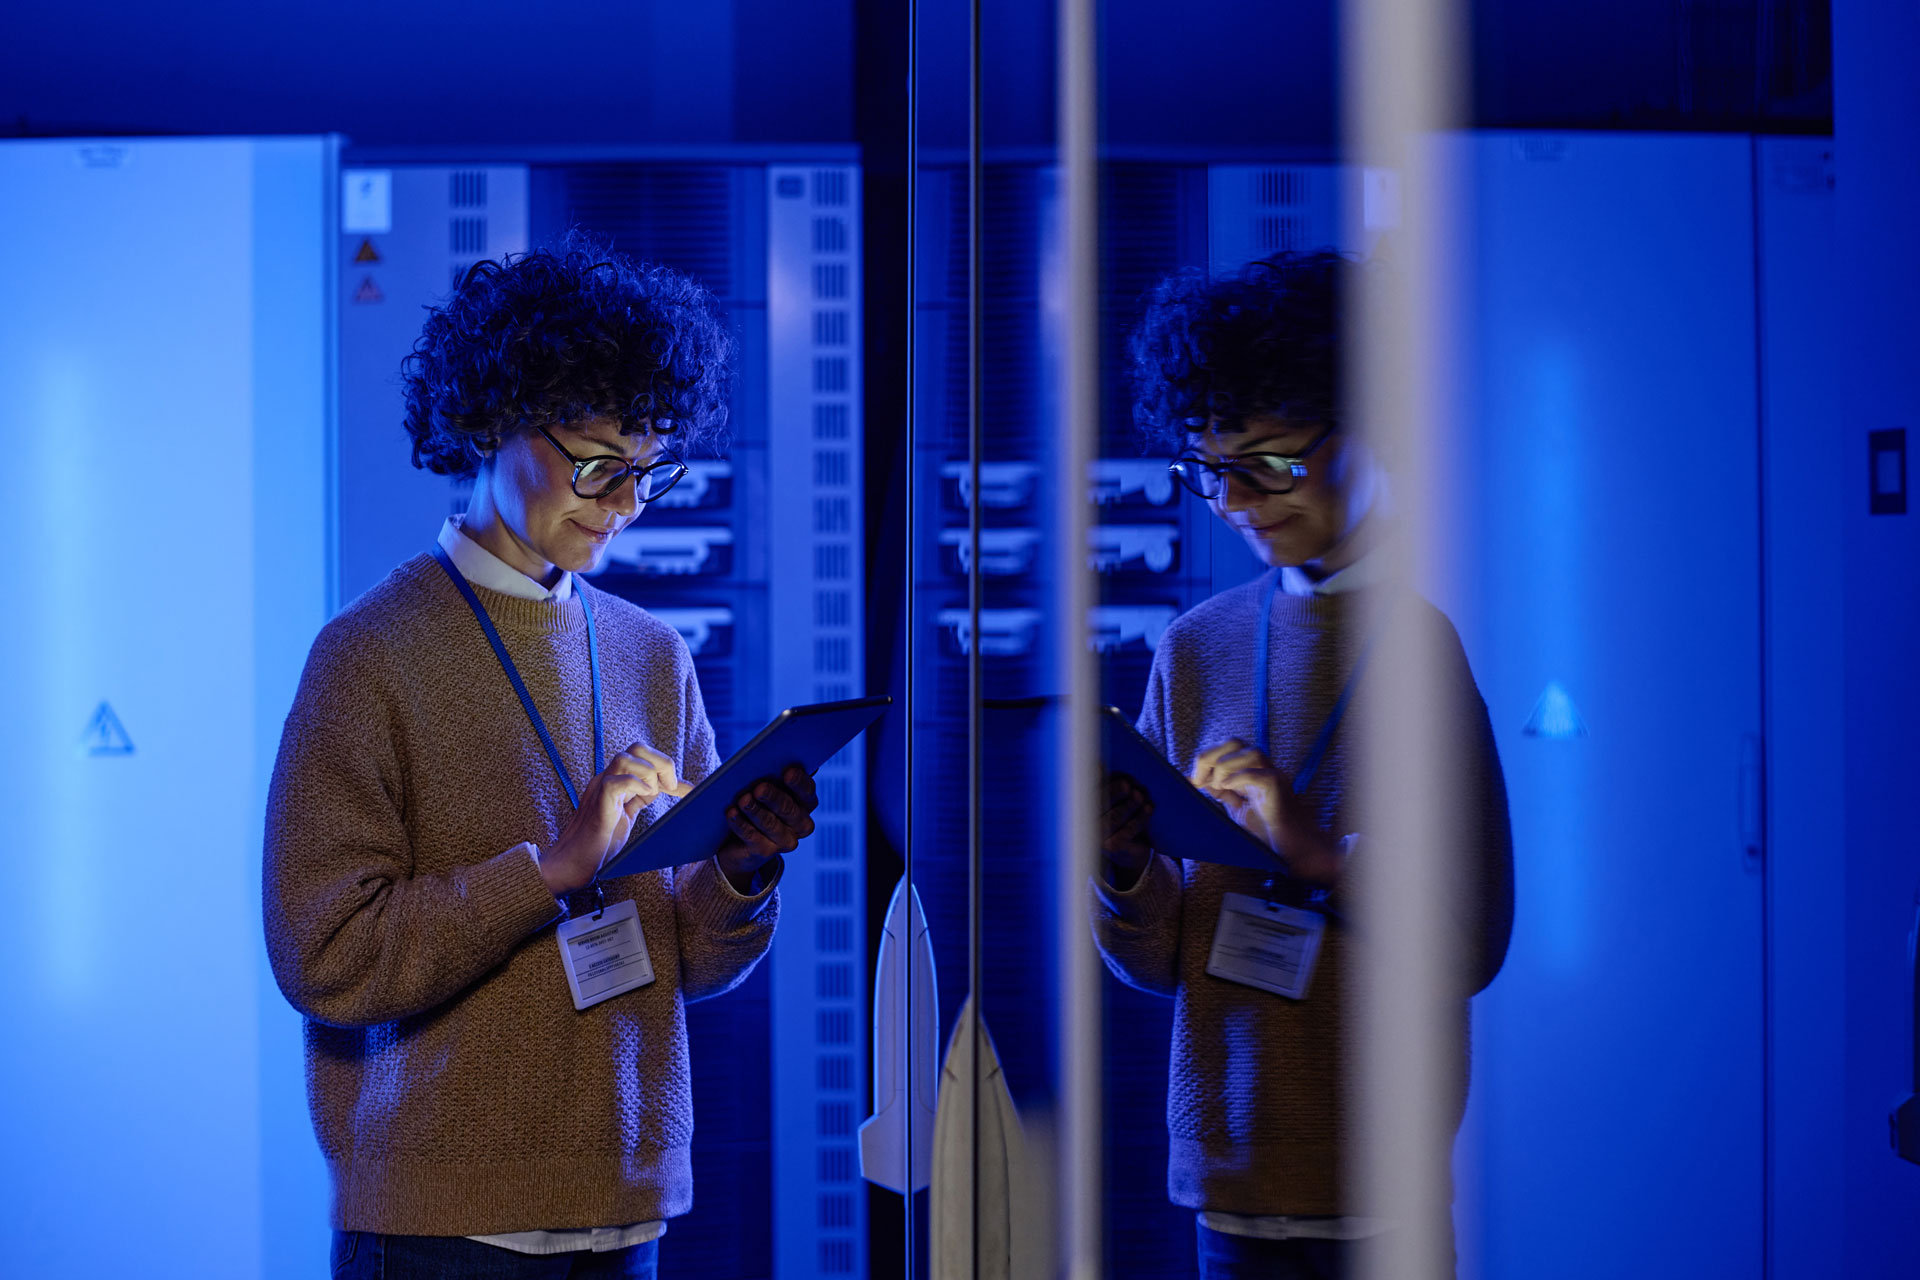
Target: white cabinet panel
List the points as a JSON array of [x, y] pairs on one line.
[[162, 401], [1606, 472]]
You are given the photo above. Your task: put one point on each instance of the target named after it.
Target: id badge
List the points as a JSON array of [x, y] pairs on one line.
[[1266, 945], [604, 954]]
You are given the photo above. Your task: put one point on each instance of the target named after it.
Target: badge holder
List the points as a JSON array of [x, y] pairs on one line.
[[1266, 944], [604, 951]]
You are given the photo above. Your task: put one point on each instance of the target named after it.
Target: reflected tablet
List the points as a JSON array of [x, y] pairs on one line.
[[1186, 823], [696, 826]]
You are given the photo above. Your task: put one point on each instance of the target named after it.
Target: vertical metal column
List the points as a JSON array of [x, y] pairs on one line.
[[909, 594], [1400, 74], [1078, 1177], [976, 580]]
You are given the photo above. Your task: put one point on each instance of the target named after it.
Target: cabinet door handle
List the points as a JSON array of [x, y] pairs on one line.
[[1752, 793]]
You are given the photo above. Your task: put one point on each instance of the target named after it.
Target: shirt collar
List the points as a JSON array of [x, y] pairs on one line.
[[1369, 570], [482, 568]]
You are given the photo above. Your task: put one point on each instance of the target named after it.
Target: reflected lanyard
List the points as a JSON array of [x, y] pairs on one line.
[[519, 686], [1316, 756]]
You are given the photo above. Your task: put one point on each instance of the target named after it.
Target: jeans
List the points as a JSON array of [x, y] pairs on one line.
[[367, 1255], [1229, 1257]]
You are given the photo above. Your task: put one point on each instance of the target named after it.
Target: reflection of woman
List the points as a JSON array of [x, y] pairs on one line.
[[1252, 694], [496, 1053]]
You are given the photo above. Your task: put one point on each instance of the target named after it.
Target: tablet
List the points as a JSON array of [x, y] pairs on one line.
[[696, 826], [1186, 822]]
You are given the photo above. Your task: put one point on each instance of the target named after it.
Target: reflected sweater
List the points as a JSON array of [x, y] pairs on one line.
[[1256, 1113], [454, 1088]]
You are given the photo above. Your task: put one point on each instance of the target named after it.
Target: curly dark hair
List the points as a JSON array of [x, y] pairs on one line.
[[561, 335], [1265, 339]]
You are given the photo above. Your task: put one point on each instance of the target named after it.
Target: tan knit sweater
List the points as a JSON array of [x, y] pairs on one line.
[[454, 1088], [1256, 1108]]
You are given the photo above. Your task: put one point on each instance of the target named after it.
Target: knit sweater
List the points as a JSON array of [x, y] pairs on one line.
[[1256, 1108], [454, 1088]]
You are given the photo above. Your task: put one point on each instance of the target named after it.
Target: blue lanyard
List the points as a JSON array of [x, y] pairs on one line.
[[519, 686], [1263, 725]]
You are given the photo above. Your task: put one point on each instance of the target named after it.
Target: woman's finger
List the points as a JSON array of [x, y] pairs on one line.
[[745, 832], [801, 784], [1244, 758], [1250, 782], [778, 832], [642, 761]]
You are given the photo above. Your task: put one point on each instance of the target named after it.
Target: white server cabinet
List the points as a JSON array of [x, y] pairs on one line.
[[165, 351]]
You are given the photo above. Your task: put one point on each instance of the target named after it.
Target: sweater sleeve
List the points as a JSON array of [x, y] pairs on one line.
[[356, 938], [1487, 923], [1138, 929], [722, 933], [1482, 909]]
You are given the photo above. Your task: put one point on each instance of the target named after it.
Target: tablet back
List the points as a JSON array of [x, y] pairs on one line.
[[696, 825]]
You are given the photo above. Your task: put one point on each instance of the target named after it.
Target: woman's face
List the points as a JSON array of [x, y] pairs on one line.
[[1291, 528], [531, 486]]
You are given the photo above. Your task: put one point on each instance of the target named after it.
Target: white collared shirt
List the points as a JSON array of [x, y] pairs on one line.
[[1369, 570], [484, 569]]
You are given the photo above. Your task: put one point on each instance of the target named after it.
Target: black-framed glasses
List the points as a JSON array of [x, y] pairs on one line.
[[1260, 472], [600, 475]]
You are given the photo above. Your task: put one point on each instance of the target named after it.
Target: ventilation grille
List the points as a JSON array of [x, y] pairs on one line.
[[467, 236], [813, 237], [467, 189], [667, 214]]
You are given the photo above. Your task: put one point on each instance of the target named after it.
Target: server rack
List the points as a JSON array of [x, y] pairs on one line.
[[754, 558]]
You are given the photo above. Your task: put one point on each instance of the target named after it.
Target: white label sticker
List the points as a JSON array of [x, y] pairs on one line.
[[604, 954], [1266, 945], [366, 201]]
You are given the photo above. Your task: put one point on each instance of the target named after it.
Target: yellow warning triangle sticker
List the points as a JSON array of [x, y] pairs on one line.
[[367, 253], [368, 292]]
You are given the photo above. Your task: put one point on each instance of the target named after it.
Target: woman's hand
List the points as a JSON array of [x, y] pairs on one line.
[[598, 829], [770, 817], [1261, 799]]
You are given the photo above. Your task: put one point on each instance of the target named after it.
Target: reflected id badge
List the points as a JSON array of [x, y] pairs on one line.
[[604, 954], [1266, 944]]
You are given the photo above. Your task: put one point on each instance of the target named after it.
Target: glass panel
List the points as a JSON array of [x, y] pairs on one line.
[[1464, 586], [985, 618]]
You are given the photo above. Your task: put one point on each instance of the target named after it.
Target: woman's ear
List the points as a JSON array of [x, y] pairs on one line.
[[1358, 475], [483, 452]]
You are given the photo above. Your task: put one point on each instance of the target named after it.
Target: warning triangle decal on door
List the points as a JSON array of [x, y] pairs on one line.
[[1555, 716], [367, 253], [105, 735], [368, 292]]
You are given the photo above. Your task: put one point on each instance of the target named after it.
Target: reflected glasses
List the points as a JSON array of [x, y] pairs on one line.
[[600, 475], [1260, 472]]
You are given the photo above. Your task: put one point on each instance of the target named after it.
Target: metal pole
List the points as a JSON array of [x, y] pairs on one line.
[[910, 1245], [1401, 76], [976, 279], [1080, 1154]]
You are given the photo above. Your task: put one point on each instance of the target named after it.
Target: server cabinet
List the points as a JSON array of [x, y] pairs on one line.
[[165, 354]]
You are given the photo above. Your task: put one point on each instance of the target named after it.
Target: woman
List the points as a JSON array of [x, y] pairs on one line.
[[497, 1056], [1253, 694]]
